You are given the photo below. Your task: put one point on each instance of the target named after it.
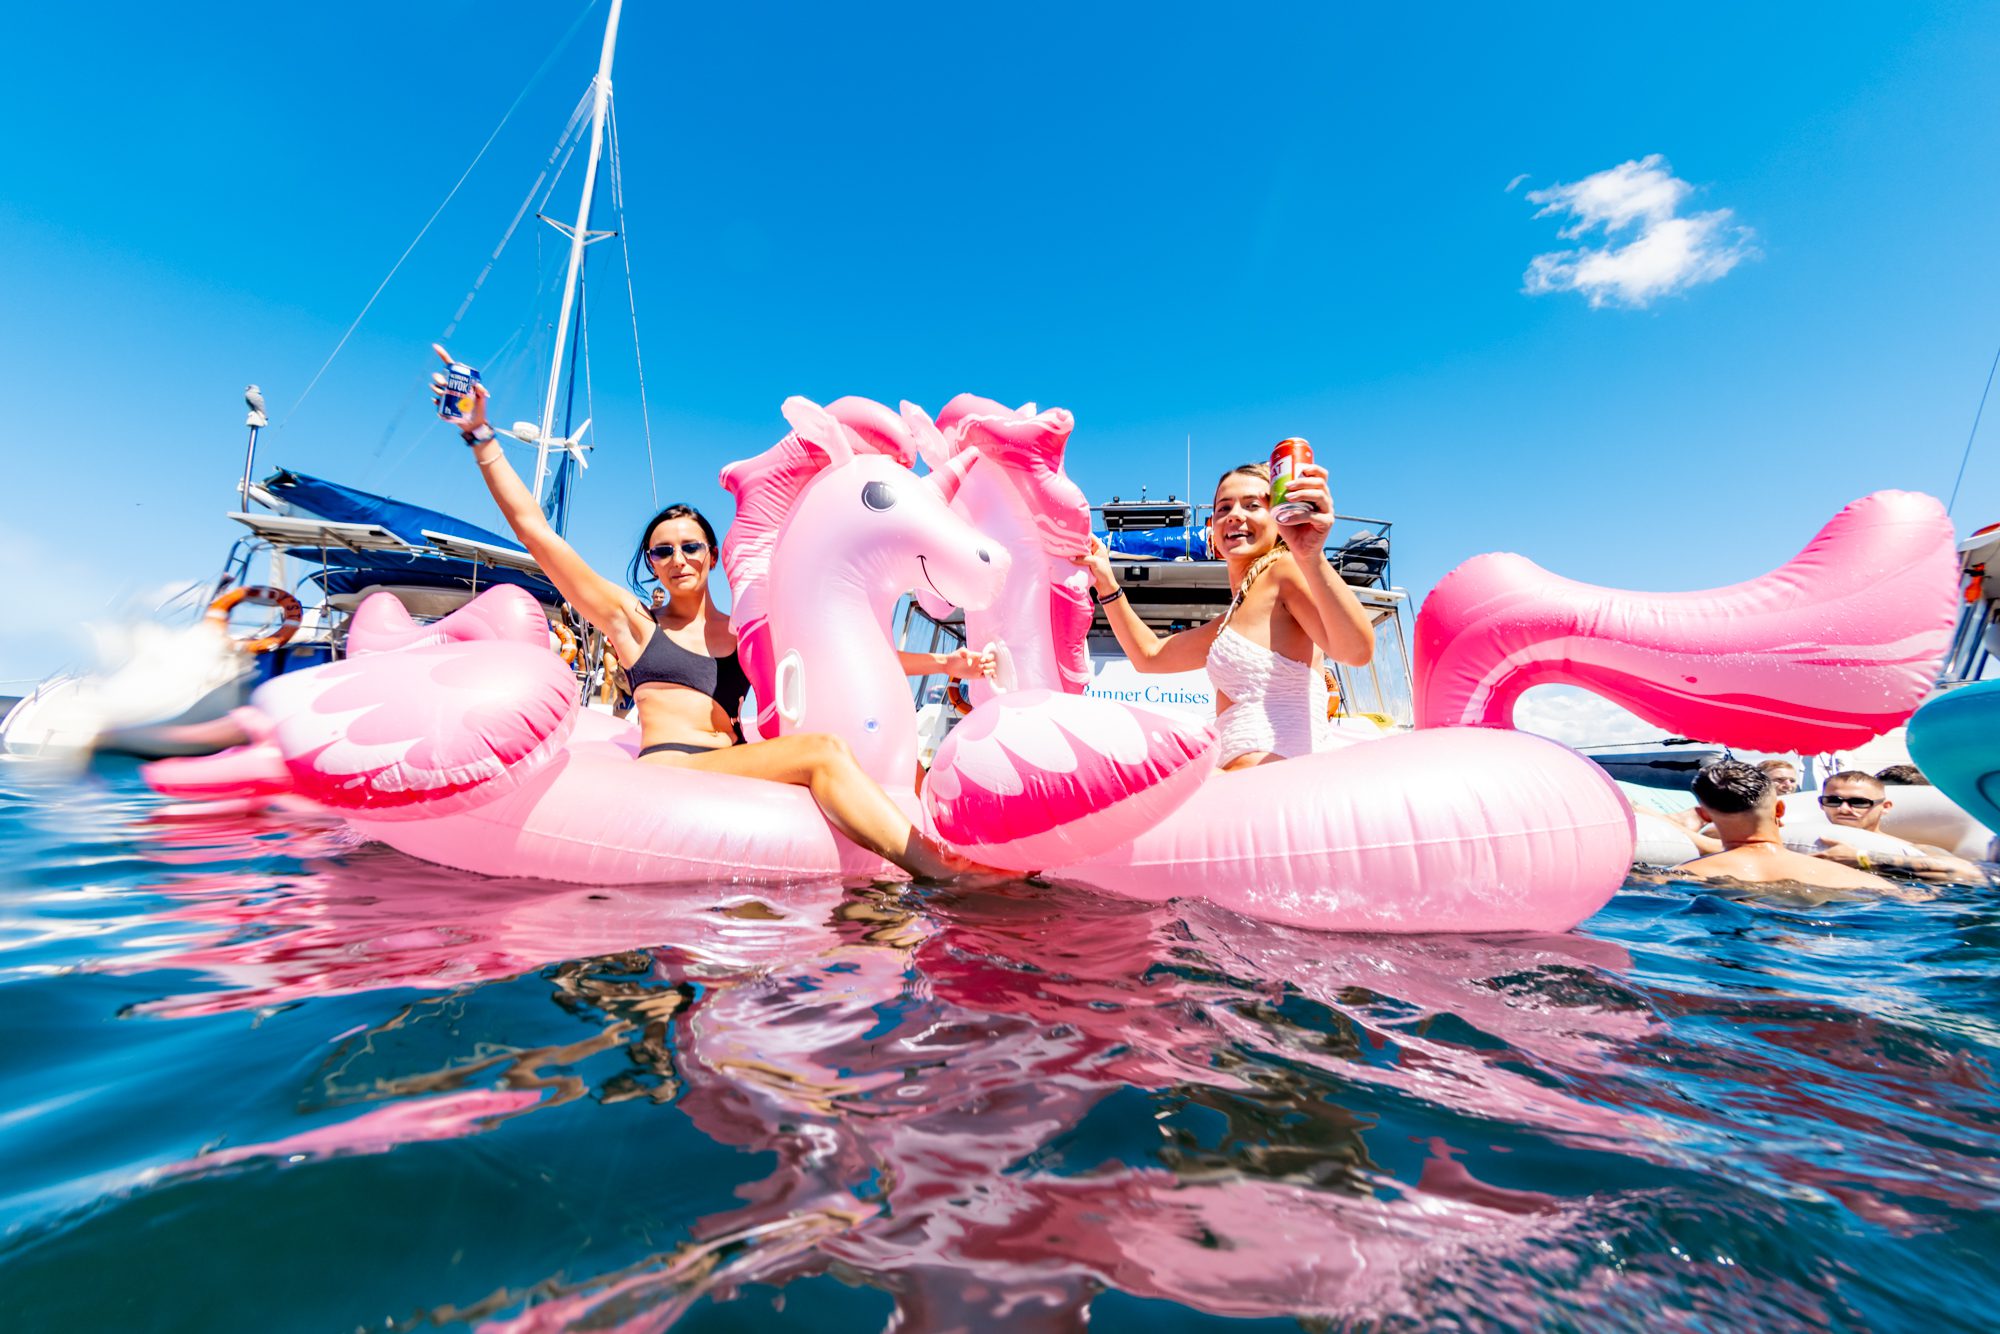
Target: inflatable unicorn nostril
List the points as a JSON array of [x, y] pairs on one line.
[[985, 555]]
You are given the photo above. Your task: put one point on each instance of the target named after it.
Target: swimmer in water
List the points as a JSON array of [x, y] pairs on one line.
[[1742, 802]]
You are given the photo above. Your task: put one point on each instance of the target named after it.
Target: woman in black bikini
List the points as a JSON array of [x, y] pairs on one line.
[[681, 659]]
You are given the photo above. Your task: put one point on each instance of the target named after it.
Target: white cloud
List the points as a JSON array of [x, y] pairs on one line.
[[1666, 252], [1576, 717]]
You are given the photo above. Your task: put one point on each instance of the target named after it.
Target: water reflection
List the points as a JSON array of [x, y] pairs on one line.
[[923, 1075], [995, 1107]]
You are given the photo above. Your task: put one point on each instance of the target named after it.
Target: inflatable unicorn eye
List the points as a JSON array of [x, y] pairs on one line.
[[878, 496]]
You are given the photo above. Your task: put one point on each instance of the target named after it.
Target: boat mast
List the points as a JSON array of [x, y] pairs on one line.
[[579, 237]]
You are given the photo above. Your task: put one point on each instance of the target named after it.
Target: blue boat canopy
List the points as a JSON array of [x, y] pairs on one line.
[[344, 504], [345, 572]]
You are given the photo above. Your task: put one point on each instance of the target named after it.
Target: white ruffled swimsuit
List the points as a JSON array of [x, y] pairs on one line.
[[1277, 704]]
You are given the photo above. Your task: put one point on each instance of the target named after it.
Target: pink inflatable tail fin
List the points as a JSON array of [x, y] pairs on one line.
[[253, 771], [1834, 647], [422, 732]]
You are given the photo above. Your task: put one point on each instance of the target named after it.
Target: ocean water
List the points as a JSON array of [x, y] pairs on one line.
[[256, 1078]]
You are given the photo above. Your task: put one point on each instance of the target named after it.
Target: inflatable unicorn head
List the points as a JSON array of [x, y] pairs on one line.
[[1001, 468], [832, 529]]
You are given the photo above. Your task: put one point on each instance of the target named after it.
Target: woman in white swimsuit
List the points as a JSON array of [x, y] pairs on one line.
[[1289, 607]]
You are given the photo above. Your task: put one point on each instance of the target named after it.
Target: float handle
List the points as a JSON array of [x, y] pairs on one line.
[[790, 687]]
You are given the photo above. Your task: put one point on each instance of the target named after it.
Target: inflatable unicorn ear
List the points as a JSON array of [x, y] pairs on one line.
[[936, 451], [821, 430]]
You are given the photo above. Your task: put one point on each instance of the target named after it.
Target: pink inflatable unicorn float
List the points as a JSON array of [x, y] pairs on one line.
[[463, 743]]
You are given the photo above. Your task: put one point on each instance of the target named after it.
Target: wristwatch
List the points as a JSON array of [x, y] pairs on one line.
[[478, 435]]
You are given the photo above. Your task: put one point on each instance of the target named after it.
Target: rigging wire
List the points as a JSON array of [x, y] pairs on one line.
[[632, 303], [519, 97], [527, 201], [1973, 434], [589, 95], [589, 390], [421, 388]]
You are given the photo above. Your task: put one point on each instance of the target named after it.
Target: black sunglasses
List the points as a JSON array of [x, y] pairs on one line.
[[665, 551], [1858, 803]]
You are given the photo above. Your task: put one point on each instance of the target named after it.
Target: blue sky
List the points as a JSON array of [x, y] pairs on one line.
[[1236, 222]]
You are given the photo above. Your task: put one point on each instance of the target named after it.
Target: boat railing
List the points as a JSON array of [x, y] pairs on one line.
[[1358, 546], [1975, 641], [431, 578]]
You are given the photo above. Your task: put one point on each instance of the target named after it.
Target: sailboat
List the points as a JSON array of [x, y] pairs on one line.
[[327, 546]]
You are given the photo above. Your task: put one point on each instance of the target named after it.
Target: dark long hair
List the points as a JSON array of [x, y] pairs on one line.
[[640, 573]]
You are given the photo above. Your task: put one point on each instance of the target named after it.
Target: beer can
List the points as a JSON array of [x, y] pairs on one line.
[[456, 401], [1287, 457]]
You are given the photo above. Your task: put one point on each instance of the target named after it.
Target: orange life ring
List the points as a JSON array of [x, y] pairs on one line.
[[565, 642], [954, 694], [258, 595]]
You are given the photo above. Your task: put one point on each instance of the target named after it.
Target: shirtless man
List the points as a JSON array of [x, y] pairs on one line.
[[1784, 776], [1742, 803], [1859, 800]]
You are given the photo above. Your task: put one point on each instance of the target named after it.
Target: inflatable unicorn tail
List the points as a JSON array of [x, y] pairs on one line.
[[1825, 652]]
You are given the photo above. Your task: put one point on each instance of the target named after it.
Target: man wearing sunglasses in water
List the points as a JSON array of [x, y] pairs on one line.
[[1858, 800]]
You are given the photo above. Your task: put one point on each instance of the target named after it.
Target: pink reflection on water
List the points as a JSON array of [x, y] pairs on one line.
[[918, 1069], [1033, 1013], [909, 1069], [412, 1121], [378, 920]]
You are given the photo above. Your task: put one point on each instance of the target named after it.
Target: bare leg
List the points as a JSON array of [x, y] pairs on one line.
[[852, 802], [1250, 760]]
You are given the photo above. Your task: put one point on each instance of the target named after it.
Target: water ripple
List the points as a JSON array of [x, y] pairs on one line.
[[273, 1080]]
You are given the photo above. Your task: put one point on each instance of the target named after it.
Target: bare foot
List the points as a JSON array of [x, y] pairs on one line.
[[933, 864]]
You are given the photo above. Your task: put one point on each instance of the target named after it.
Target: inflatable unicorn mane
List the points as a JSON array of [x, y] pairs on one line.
[[463, 742]]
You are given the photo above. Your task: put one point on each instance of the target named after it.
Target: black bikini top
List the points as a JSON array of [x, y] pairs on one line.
[[663, 662]]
